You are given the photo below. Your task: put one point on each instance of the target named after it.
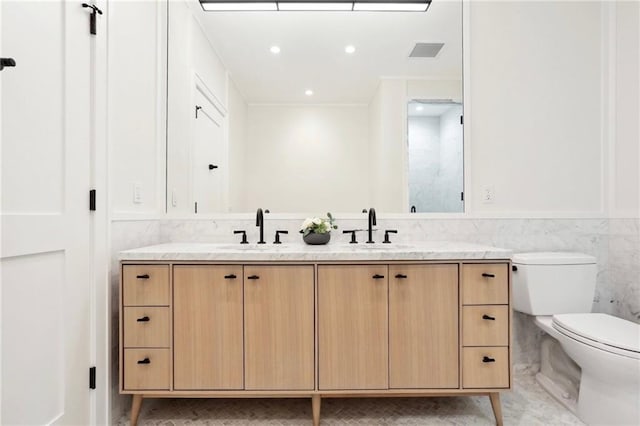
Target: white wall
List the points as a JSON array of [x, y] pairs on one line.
[[424, 163], [136, 113], [625, 149], [536, 107], [238, 110], [190, 55], [307, 158]]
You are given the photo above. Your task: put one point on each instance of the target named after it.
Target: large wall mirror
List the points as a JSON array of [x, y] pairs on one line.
[[309, 112]]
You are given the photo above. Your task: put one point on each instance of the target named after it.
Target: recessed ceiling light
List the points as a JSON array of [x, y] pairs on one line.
[[350, 48], [419, 108], [308, 92], [275, 50]]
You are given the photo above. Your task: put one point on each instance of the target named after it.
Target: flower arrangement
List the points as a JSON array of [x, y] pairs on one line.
[[318, 225]]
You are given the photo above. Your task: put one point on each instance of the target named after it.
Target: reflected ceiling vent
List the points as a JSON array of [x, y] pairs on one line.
[[426, 50]]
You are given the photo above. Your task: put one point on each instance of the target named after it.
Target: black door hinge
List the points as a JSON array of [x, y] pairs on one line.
[[92, 378], [92, 17], [462, 196], [92, 200], [462, 119], [195, 209]]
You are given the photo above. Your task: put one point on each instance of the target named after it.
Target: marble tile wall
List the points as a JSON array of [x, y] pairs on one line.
[[624, 269]]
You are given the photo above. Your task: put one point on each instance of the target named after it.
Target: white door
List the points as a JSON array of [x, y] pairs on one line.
[[45, 135], [208, 162]]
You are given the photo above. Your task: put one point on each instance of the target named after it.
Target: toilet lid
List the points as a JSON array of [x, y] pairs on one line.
[[601, 330]]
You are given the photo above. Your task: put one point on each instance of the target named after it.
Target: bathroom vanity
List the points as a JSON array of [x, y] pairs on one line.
[[229, 321]]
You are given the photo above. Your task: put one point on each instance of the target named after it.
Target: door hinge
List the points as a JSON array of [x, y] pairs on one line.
[[462, 119], [92, 200], [195, 209], [92, 378], [92, 17], [462, 196]]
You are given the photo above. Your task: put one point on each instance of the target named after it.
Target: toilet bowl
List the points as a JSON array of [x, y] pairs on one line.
[[606, 348]]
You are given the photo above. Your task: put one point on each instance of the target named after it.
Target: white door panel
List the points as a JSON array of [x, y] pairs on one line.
[[45, 130], [208, 183]]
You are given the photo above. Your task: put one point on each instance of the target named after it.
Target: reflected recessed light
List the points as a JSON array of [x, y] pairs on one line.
[[419, 108], [308, 92], [350, 48], [275, 50]]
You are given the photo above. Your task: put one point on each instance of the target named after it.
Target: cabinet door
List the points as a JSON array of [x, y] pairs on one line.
[[353, 326], [423, 326], [279, 321], [207, 318]]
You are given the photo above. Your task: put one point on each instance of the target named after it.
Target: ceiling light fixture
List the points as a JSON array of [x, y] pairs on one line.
[[350, 49], [316, 5], [275, 50], [419, 108], [308, 92]]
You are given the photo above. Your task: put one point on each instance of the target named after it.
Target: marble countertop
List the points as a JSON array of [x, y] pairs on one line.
[[433, 250]]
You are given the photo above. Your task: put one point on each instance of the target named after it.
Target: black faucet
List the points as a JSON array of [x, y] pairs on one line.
[[372, 221], [260, 223]]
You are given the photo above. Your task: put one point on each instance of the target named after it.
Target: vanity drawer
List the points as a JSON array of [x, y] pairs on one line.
[[145, 285], [485, 368], [485, 325], [485, 284], [146, 369], [146, 327]]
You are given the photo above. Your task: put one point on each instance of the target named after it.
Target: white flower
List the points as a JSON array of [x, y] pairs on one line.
[[306, 224], [317, 220]]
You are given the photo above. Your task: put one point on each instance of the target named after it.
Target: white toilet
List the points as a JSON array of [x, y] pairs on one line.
[[558, 288]]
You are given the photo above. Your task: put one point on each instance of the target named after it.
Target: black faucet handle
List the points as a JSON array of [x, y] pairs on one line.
[[277, 241], [353, 235], [244, 236], [386, 235]]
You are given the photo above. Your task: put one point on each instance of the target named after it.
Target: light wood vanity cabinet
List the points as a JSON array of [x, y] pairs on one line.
[[319, 329]]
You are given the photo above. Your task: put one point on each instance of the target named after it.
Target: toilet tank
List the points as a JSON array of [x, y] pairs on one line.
[[548, 283]]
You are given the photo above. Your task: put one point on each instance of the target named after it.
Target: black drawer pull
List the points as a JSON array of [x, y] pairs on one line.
[[253, 277], [378, 277], [230, 277], [143, 277], [143, 319], [487, 317], [401, 276], [488, 275], [487, 359], [145, 361]]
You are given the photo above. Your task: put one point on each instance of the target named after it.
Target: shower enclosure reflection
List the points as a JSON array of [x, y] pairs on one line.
[[435, 155]]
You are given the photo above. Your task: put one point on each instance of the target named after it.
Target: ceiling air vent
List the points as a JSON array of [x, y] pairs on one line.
[[426, 50]]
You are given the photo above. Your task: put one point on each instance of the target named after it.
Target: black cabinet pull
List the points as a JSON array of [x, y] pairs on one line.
[[230, 277], [378, 277], [487, 359], [143, 277], [143, 319], [514, 268], [253, 277], [7, 62], [144, 361], [487, 317], [399, 276], [488, 275], [212, 166]]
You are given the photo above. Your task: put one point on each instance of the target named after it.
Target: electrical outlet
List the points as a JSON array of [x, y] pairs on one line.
[[137, 193], [488, 194]]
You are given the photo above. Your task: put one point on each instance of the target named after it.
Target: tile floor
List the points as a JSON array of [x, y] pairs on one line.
[[527, 404]]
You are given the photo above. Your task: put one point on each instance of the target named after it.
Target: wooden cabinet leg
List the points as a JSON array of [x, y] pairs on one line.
[[315, 405], [136, 403], [497, 409]]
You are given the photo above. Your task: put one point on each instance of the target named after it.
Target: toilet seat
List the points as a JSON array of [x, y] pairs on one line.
[[601, 331]]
